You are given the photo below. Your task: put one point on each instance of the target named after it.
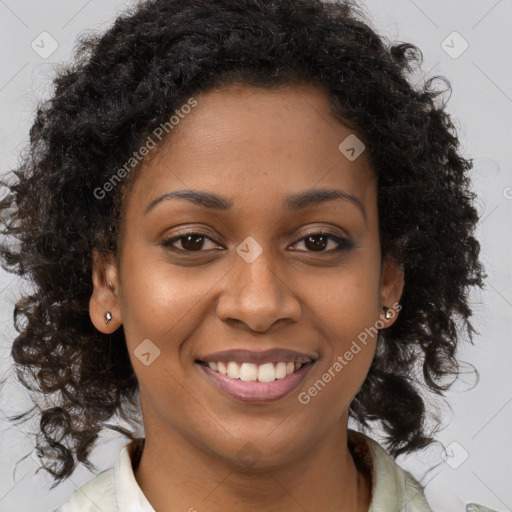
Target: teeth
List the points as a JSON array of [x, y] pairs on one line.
[[266, 373], [233, 370], [250, 372], [280, 370]]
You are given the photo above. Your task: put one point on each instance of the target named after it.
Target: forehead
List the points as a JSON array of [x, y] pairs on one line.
[[241, 140]]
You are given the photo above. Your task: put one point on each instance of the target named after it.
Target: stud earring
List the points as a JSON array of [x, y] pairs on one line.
[[108, 317], [387, 313]]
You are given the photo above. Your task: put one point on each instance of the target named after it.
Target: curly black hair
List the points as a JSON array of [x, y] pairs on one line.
[[124, 83]]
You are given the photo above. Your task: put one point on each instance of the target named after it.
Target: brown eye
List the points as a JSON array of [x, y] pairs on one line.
[[316, 242], [319, 241], [190, 242]]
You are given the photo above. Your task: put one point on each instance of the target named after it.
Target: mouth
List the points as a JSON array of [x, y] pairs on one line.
[[256, 376], [250, 372]]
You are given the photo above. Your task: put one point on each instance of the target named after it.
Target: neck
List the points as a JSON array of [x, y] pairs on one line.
[[177, 475]]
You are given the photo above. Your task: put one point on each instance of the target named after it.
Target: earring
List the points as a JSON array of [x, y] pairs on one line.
[[108, 317], [387, 312]]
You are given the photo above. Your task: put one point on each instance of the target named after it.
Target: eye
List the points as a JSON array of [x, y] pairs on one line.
[[190, 242], [318, 241]]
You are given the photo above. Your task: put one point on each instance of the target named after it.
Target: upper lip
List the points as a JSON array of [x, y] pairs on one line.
[[267, 356]]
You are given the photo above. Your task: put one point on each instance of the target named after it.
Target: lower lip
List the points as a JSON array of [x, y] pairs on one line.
[[257, 391]]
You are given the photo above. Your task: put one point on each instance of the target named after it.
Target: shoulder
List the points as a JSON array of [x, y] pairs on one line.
[[113, 490], [393, 488], [97, 495]]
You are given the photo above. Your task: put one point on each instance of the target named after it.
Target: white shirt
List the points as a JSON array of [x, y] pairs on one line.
[[393, 489]]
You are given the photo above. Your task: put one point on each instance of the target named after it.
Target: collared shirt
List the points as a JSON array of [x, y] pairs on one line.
[[393, 488]]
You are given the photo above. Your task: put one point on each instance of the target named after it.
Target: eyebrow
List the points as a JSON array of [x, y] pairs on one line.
[[307, 198]]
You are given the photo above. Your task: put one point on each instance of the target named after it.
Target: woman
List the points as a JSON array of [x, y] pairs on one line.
[[242, 218]]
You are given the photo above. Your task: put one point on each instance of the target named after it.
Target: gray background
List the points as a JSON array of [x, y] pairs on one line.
[[476, 462]]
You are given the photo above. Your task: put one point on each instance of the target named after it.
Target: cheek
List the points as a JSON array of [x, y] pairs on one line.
[[346, 301], [350, 337], [161, 307], [162, 303], [345, 310]]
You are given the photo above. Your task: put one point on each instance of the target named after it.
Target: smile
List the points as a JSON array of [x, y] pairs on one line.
[[250, 372], [252, 377]]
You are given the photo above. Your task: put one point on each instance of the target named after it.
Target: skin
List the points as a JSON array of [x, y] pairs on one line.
[[255, 147]]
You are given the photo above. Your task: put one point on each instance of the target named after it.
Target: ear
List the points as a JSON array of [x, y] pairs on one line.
[[391, 288], [105, 293]]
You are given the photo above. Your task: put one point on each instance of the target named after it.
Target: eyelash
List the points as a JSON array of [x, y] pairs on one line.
[[343, 243]]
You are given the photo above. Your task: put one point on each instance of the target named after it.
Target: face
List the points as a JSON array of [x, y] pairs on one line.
[[252, 270]]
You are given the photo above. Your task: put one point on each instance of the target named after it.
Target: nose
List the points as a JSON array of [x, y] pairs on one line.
[[257, 296]]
